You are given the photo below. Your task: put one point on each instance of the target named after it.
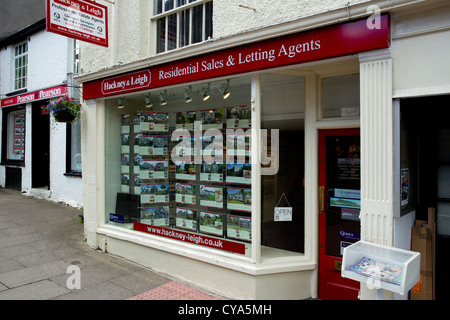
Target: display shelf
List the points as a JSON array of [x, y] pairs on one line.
[[384, 267]]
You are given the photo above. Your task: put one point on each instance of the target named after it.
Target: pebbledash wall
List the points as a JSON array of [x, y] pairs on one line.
[[50, 65], [413, 64]]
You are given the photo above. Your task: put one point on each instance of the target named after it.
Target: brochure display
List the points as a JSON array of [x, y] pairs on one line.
[[381, 267], [211, 197]]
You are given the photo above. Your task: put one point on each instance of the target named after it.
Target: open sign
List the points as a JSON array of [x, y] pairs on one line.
[[282, 214]]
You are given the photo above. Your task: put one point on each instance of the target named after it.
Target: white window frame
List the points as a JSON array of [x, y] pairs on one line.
[[178, 10], [20, 66]]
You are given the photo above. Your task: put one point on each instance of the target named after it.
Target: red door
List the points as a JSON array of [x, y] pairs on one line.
[[339, 206]]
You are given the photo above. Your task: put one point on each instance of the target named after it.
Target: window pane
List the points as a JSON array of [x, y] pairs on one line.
[[168, 5], [157, 6], [181, 3], [283, 107], [75, 146], [340, 96], [184, 28], [161, 34], [208, 20], [197, 24], [15, 135], [172, 43]]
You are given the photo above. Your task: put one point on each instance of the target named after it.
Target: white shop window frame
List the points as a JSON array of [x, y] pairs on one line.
[[253, 265]]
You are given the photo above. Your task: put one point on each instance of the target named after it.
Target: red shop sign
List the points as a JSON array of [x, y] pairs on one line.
[[327, 42], [187, 237], [35, 96], [78, 19]]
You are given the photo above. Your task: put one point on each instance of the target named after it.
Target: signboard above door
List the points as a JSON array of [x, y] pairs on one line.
[[79, 19]]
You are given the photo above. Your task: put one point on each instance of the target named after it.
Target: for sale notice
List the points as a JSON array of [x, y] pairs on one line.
[[78, 19]]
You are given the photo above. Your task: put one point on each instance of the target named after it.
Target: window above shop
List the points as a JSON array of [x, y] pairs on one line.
[[20, 65], [179, 23]]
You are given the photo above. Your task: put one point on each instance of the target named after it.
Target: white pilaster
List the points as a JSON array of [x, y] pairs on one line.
[[377, 166], [377, 153], [93, 166]]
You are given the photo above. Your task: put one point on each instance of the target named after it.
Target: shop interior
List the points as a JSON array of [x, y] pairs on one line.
[[425, 167]]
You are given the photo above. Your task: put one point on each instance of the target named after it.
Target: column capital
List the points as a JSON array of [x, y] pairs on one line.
[[375, 55]]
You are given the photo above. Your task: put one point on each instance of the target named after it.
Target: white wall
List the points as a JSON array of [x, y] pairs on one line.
[[423, 44]]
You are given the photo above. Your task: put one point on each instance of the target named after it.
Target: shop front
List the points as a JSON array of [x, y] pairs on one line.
[[238, 170], [26, 139]]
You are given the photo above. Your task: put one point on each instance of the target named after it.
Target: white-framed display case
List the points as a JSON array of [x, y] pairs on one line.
[[381, 267]]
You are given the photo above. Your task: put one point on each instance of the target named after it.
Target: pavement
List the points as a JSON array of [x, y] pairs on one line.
[[43, 256]]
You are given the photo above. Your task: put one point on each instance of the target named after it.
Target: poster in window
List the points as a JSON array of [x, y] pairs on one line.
[[239, 173], [211, 223], [238, 144], [154, 122], [239, 199], [212, 148], [137, 184], [239, 227], [154, 193], [125, 143], [185, 170], [125, 182], [211, 196], [186, 219], [239, 117], [185, 193], [211, 172], [153, 169], [185, 147], [153, 146], [212, 119], [405, 186], [125, 123], [125, 163], [18, 136], [137, 122], [136, 137], [155, 216], [186, 120]]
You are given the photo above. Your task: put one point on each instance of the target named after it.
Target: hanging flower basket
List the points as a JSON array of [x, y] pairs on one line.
[[64, 116], [63, 110]]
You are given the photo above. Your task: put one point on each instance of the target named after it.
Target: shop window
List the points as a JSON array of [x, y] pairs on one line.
[[283, 107], [180, 23], [20, 66], [13, 136], [178, 164], [340, 96]]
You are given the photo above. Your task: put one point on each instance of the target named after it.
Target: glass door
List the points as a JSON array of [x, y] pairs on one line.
[[339, 207]]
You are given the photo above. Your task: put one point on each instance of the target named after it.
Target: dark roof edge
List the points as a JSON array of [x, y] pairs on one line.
[[23, 33]]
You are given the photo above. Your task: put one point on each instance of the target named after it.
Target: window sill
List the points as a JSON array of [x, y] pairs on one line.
[[73, 174], [12, 163]]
